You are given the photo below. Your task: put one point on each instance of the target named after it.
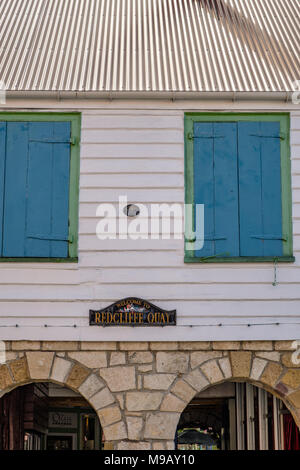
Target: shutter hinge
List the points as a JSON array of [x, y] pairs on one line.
[[190, 136], [281, 136], [209, 238], [215, 238], [270, 237], [72, 141], [53, 238]]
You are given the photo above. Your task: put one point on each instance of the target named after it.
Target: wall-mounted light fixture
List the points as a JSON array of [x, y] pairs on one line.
[[131, 210]]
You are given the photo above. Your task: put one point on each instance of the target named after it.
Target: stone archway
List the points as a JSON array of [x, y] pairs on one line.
[[208, 368], [37, 366], [139, 389]]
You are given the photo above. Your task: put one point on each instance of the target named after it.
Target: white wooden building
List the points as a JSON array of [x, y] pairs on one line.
[[130, 76]]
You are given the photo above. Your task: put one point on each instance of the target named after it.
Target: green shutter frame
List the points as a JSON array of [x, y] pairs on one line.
[[75, 122], [286, 191]]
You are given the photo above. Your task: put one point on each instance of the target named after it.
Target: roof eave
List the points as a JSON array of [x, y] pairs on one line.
[[151, 95]]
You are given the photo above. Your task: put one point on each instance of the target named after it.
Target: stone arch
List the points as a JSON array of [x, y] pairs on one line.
[[37, 366], [207, 369]]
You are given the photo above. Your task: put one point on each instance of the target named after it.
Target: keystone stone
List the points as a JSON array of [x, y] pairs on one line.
[[240, 363], [39, 364]]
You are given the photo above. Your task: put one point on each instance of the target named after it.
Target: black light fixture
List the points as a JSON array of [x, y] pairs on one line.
[[131, 210]]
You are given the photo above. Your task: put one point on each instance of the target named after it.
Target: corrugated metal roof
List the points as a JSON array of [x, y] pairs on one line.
[[150, 45]]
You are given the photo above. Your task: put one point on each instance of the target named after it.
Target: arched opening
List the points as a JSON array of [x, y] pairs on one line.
[[48, 416], [236, 416]]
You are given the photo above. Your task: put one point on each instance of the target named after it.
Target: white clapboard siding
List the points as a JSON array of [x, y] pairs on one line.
[[119, 150], [295, 167], [295, 122], [295, 137], [132, 166], [296, 195], [173, 291], [143, 259], [130, 136], [193, 274], [197, 275], [246, 310], [296, 227], [127, 121], [296, 210], [128, 181], [89, 209], [88, 225], [134, 195], [139, 153], [218, 322], [296, 181], [295, 150], [47, 276], [92, 243]]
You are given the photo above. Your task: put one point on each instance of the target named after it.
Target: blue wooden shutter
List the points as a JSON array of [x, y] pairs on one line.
[[216, 186], [260, 189], [36, 197], [2, 170]]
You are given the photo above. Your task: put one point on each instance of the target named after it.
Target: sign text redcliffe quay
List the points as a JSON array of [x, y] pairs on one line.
[[132, 311]]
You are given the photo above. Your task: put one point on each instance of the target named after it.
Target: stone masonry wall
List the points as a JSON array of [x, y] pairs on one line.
[[139, 389]]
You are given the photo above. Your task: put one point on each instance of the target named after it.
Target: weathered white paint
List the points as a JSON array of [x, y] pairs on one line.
[[137, 149]]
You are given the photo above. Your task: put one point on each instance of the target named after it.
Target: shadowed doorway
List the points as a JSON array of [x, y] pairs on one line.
[[47, 416], [236, 416]]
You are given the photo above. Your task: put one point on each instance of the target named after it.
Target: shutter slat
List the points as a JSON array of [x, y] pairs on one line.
[[60, 190], [271, 188], [250, 188], [226, 189], [259, 188], [15, 189], [216, 186], [39, 188], [47, 227], [204, 184], [2, 173]]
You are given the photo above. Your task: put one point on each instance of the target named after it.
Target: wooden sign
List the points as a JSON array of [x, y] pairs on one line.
[[59, 419], [132, 312]]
